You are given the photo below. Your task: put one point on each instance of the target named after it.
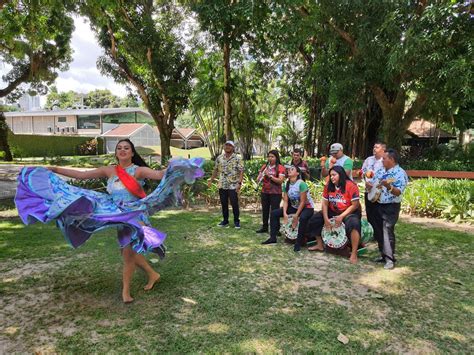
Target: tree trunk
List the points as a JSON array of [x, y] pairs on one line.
[[4, 138], [313, 111], [227, 99]]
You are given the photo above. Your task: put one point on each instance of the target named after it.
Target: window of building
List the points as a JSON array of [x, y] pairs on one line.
[[88, 122], [62, 119]]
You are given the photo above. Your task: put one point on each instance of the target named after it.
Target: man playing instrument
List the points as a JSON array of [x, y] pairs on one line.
[[392, 182], [369, 169], [230, 169], [338, 158]]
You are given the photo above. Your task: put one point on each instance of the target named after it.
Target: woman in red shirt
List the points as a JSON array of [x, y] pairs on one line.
[[341, 202], [271, 174]]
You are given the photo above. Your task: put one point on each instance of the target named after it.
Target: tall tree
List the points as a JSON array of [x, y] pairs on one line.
[[231, 23], [142, 48], [35, 45], [408, 54]]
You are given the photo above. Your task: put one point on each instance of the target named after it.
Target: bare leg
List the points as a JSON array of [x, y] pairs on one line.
[[319, 245], [153, 276], [128, 269], [355, 239]]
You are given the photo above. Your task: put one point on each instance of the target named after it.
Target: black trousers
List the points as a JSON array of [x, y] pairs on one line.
[[385, 219], [305, 216], [371, 210], [226, 195], [351, 222], [270, 202]]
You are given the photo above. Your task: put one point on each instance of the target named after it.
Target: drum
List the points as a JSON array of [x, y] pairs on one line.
[[287, 230], [335, 238], [367, 232]]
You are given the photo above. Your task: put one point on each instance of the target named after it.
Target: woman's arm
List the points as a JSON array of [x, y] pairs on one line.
[[355, 204], [144, 172], [324, 209], [102, 172]]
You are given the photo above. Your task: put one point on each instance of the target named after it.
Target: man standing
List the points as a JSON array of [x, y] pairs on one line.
[[297, 160], [392, 182], [337, 158], [230, 168], [369, 169]]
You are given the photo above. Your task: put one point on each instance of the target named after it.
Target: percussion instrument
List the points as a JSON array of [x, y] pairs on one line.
[[374, 193], [288, 231], [367, 232], [335, 237]]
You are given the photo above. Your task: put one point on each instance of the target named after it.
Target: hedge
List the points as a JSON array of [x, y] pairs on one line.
[[23, 145]]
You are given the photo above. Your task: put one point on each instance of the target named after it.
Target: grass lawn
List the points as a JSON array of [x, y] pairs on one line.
[[221, 291]]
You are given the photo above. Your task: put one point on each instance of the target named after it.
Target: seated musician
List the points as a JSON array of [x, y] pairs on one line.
[[341, 202], [297, 201]]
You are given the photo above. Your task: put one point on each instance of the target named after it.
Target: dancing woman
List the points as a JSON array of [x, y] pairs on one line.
[[272, 175], [43, 196]]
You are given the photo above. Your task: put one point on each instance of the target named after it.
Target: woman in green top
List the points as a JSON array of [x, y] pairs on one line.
[[297, 202]]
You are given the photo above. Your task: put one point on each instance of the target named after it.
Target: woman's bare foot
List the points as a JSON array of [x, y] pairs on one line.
[[353, 259], [127, 298], [316, 248], [152, 280]]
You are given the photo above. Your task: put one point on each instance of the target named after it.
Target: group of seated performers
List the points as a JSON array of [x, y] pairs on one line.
[[340, 207]]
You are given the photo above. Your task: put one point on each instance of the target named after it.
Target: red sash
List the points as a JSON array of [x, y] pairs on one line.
[[130, 183]]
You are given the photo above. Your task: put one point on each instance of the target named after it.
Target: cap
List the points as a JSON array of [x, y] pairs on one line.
[[335, 147], [230, 143]]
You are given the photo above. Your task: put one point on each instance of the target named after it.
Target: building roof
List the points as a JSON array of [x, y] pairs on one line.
[[426, 129], [185, 132], [77, 112], [124, 130]]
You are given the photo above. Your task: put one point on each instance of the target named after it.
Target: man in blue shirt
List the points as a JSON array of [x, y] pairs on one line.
[[392, 182]]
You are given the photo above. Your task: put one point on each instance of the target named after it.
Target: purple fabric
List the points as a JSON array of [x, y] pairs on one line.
[[43, 196]]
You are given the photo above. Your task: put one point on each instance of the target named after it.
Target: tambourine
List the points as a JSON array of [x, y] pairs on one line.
[[287, 229], [335, 237]]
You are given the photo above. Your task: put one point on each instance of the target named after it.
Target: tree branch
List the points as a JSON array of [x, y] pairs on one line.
[[306, 56], [415, 108], [345, 36], [381, 98], [14, 84]]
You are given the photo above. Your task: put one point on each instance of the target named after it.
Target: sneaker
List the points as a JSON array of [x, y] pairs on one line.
[[223, 224], [380, 259], [237, 225], [389, 265], [296, 248], [269, 241], [262, 230]]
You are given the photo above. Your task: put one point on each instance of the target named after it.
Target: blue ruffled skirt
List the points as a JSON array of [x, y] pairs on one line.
[[44, 196]]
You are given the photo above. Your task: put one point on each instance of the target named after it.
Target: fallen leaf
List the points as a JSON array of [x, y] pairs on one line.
[[188, 300], [342, 338], [154, 261]]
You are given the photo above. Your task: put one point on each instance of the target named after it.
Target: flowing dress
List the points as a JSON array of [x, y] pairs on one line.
[[43, 196]]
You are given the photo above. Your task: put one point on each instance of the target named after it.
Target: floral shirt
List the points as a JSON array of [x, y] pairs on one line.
[[228, 170], [372, 164], [398, 178]]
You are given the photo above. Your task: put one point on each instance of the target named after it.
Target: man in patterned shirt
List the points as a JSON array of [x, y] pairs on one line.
[[230, 168], [392, 182]]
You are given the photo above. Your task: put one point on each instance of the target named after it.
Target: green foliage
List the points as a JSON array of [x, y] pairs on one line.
[[431, 197], [47, 146], [449, 165]]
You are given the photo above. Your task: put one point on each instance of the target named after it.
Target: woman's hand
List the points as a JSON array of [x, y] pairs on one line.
[[327, 224], [294, 222], [338, 221]]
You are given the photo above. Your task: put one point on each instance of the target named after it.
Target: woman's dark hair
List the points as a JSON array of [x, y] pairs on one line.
[[277, 155], [136, 158], [299, 177], [343, 178]]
